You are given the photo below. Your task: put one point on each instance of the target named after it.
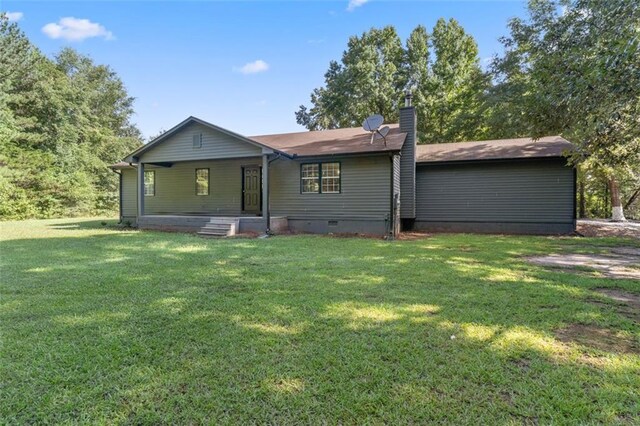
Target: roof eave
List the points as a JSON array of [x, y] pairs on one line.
[[476, 160]]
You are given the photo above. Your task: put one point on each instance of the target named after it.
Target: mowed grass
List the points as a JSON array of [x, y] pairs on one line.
[[100, 325]]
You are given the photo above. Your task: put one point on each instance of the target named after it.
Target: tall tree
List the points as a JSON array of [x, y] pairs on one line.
[[368, 79], [61, 124], [457, 86], [418, 76], [581, 59], [375, 71], [104, 110]]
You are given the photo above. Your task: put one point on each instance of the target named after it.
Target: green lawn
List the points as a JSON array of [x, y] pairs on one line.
[[100, 325]]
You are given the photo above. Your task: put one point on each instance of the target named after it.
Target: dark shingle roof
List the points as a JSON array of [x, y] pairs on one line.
[[501, 149], [332, 142]]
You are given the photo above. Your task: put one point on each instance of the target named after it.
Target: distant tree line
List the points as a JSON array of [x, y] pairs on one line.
[[572, 67], [62, 122]]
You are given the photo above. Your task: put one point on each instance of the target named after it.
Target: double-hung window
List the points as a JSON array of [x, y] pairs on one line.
[[149, 183], [310, 174], [202, 181], [320, 178], [330, 174]]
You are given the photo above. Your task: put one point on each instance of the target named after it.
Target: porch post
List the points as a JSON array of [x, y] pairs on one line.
[[265, 194], [140, 189]]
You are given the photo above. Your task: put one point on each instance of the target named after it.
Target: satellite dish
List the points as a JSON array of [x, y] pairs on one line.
[[372, 123], [382, 133]]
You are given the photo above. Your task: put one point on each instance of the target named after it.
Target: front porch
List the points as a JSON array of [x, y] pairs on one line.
[[213, 225]]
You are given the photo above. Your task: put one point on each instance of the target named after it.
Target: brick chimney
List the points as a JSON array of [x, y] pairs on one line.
[[408, 123]]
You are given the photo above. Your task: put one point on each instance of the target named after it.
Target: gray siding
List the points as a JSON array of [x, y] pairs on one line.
[[176, 188], [129, 195], [408, 164], [366, 188], [179, 147], [531, 192], [363, 206]]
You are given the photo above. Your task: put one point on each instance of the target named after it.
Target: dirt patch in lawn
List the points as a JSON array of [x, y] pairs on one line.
[[620, 262], [596, 337], [604, 228], [625, 303]]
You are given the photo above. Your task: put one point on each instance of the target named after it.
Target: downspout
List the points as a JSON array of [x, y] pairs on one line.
[[267, 212]]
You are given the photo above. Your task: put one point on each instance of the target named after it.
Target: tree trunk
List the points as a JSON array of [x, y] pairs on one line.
[[583, 206], [617, 215], [632, 198]]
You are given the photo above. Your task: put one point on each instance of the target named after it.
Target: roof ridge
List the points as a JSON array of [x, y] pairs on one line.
[[317, 131]]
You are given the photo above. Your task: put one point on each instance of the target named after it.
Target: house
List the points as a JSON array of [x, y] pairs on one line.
[[200, 177]]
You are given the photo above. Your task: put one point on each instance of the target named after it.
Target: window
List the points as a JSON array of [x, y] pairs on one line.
[[316, 178], [202, 181], [149, 183], [330, 178], [310, 173]]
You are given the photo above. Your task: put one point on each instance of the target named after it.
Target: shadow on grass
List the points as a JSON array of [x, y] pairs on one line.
[[170, 328], [86, 224]]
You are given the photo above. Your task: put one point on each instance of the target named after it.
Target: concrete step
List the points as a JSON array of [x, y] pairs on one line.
[[209, 233], [218, 228], [225, 226]]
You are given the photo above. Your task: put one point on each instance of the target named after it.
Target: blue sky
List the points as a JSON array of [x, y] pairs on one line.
[[244, 65]]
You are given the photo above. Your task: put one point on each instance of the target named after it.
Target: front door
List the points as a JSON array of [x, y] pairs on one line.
[[251, 189]]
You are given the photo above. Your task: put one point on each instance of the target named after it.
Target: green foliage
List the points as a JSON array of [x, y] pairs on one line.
[[369, 79], [62, 122], [375, 71], [456, 87], [573, 68]]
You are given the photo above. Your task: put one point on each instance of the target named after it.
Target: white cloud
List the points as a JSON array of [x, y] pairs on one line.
[[14, 16], [353, 4], [253, 67], [74, 29]]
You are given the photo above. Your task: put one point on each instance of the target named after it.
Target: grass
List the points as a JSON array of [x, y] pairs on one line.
[[100, 325]]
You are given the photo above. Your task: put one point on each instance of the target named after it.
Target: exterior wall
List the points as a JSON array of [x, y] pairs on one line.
[[396, 175], [362, 206], [396, 206], [408, 164], [179, 147], [129, 196], [339, 226], [175, 189], [534, 196]]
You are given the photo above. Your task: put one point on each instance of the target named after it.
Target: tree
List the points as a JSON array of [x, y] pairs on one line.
[[368, 79], [61, 124], [576, 66], [375, 71], [456, 86]]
